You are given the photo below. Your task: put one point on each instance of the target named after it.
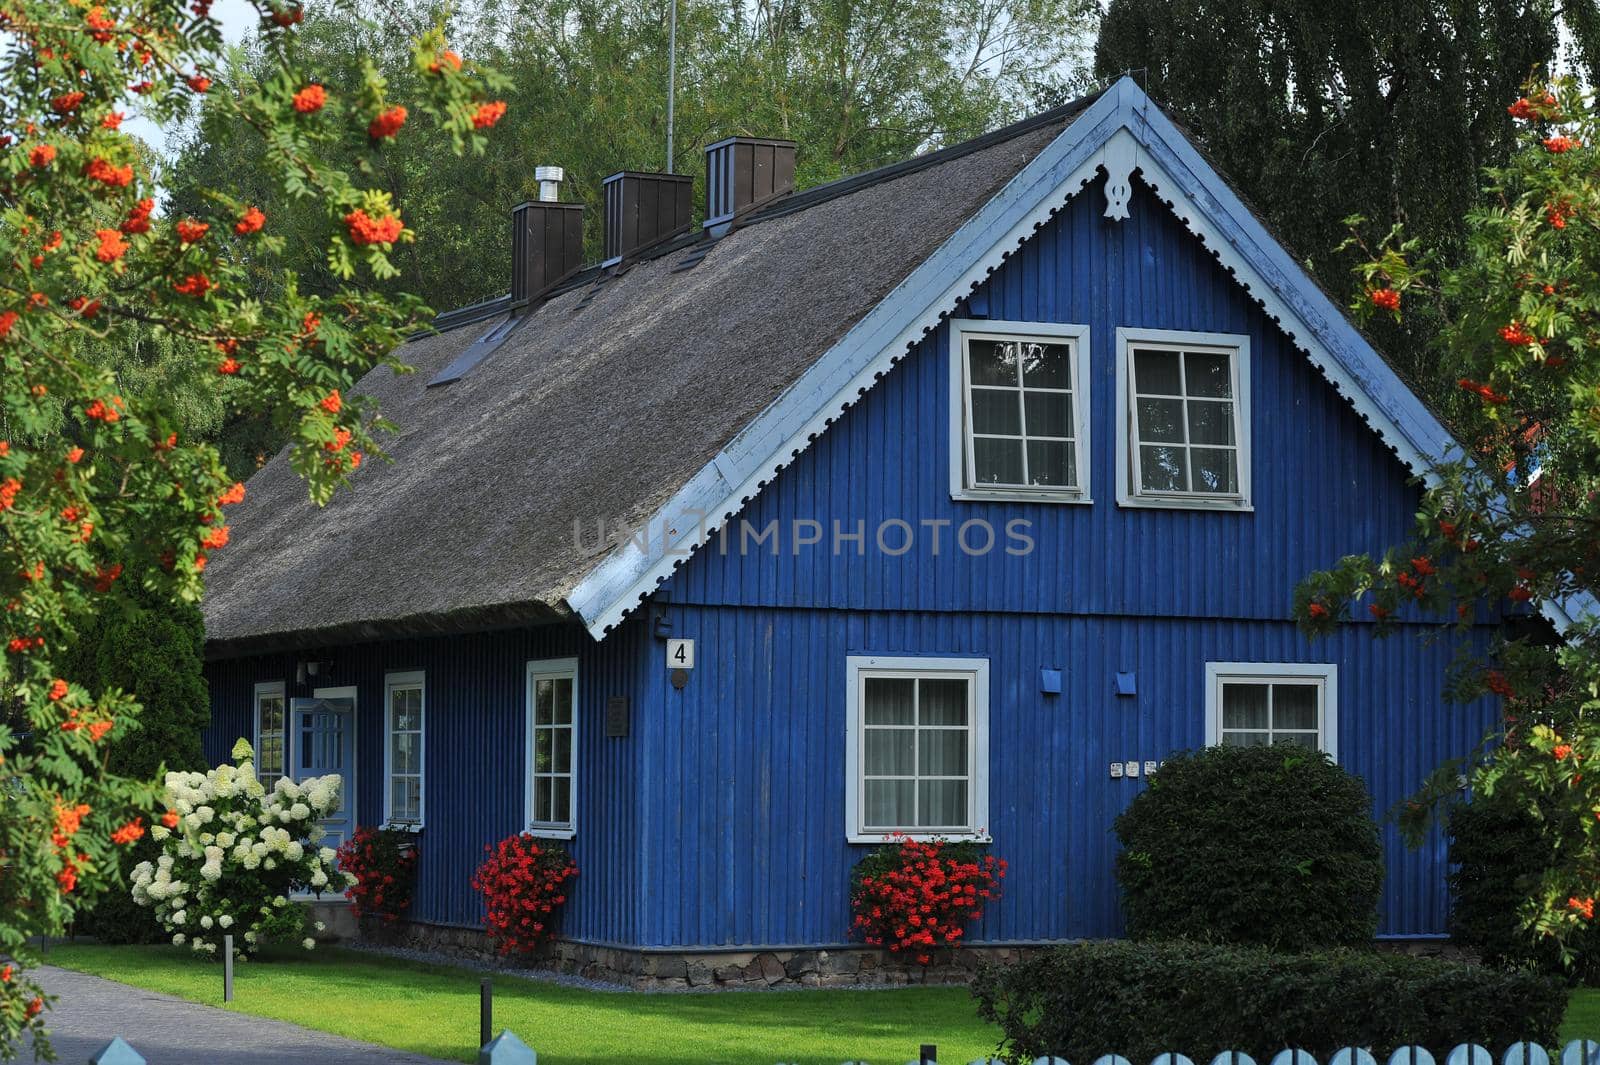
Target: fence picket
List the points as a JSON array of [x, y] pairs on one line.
[[1525, 1054], [1581, 1052], [1356, 1056], [1412, 1055], [1297, 1057], [1112, 1059], [1060, 1061], [1170, 1058], [1470, 1054], [1233, 1057]]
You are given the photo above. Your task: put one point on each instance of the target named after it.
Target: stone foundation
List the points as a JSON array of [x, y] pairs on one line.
[[707, 970]]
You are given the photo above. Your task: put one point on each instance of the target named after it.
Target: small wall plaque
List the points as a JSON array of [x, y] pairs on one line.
[[617, 716]]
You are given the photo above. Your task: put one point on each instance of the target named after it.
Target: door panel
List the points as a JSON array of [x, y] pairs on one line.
[[324, 742]]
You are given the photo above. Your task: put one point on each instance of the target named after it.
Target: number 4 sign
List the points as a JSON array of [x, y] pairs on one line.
[[680, 654]]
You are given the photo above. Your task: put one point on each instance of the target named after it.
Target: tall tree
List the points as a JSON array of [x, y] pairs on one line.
[[1389, 109], [857, 83]]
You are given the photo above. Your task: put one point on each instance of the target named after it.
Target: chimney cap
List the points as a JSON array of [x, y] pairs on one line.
[[775, 142]]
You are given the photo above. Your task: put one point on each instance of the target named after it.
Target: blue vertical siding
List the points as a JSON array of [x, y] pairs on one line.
[[749, 798], [475, 730]]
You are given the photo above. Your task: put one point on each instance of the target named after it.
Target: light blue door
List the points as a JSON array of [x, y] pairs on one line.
[[324, 742]]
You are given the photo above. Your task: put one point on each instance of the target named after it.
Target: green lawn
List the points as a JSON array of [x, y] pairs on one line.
[[433, 1009], [1583, 1015]]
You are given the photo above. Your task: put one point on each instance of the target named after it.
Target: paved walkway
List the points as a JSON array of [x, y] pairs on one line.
[[172, 1031]]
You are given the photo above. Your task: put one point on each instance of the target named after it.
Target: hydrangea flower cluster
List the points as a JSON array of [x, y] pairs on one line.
[[233, 853], [917, 896]]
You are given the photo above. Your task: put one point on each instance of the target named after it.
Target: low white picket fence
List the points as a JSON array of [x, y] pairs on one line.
[[507, 1049]]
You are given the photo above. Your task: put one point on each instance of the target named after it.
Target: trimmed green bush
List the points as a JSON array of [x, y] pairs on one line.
[[1273, 846], [158, 654], [1497, 853], [1142, 999]]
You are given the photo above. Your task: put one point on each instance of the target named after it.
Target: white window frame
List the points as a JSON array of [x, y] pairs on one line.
[[1077, 339], [549, 669], [1129, 494], [976, 672], [391, 681], [1325, 673], [269, 688]]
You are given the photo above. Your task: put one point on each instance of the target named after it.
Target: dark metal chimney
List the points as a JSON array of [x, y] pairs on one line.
[[644, 209], [546, 240], [743, 173]]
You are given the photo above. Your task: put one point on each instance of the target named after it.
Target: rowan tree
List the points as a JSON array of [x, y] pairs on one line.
[[1510, 525], [101, 493]]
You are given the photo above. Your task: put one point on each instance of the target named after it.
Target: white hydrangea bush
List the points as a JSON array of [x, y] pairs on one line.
[[233, 853]]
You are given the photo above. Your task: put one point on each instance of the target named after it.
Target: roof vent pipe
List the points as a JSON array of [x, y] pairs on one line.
[[549, 179], [744, 173], [644, 209]]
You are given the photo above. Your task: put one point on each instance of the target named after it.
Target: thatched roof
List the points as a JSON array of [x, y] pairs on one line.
[[601, 404]]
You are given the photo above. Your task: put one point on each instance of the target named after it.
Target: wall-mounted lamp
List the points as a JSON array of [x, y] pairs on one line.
[[308, 668]]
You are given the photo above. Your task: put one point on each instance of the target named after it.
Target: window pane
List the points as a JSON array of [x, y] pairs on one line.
[[996, 411], [997, 461], [541, 750], [1161, 469], [1244, 739], [541, 799], [1049, 413], [1294, 739], [943, 804], [1208, 374], [1046, 366], [1050, 464], [407, 753], [890, 803], [1213, 469], [543, 702], [271, 714], [992, 362], [561, 744], [890, 752], [561, 800], [1294, 706], [942, 753], [406, 706], [891, 701], [1210, 423], [1161, 421], [1244, 706], [944, 702], [562, 697], [1157, 373], [405, 799]]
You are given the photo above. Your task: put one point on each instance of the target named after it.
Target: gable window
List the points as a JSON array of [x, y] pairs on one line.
[[552, 747], [1257, 704], [403, 795], [1185, 417], [917, 757], [1019, 411], [270, 732]]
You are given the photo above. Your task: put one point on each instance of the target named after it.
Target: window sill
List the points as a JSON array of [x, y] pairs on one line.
[[551, 832], [919, 837], [1226, 506], [981, 495], [403, 826]]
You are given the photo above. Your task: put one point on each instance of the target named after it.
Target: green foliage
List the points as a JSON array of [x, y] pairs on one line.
[[1320, 111], [1497, 854], [1144, 999], [857, 84], [1273, 846]]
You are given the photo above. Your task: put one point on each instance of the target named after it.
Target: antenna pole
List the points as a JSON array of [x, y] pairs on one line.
[[672, 75]]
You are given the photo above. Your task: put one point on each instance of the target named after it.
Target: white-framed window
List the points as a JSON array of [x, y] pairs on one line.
[[271, 729], [1184, 416], [1273, 703], [404, 704], [1019, 411], [917, 756], [553, 747]]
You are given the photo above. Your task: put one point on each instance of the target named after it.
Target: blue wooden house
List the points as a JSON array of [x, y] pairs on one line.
[[946, 499]]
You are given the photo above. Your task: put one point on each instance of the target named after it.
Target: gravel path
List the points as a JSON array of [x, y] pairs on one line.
[[172, 1031]]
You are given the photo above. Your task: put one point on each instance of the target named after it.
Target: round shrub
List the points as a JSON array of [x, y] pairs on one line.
[[1272, 846]]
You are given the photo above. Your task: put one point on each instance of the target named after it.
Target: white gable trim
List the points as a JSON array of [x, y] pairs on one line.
[[1119, 131]]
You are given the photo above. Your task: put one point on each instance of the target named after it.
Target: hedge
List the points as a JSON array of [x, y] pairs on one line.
[[1143, 999], [1271, 846]]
